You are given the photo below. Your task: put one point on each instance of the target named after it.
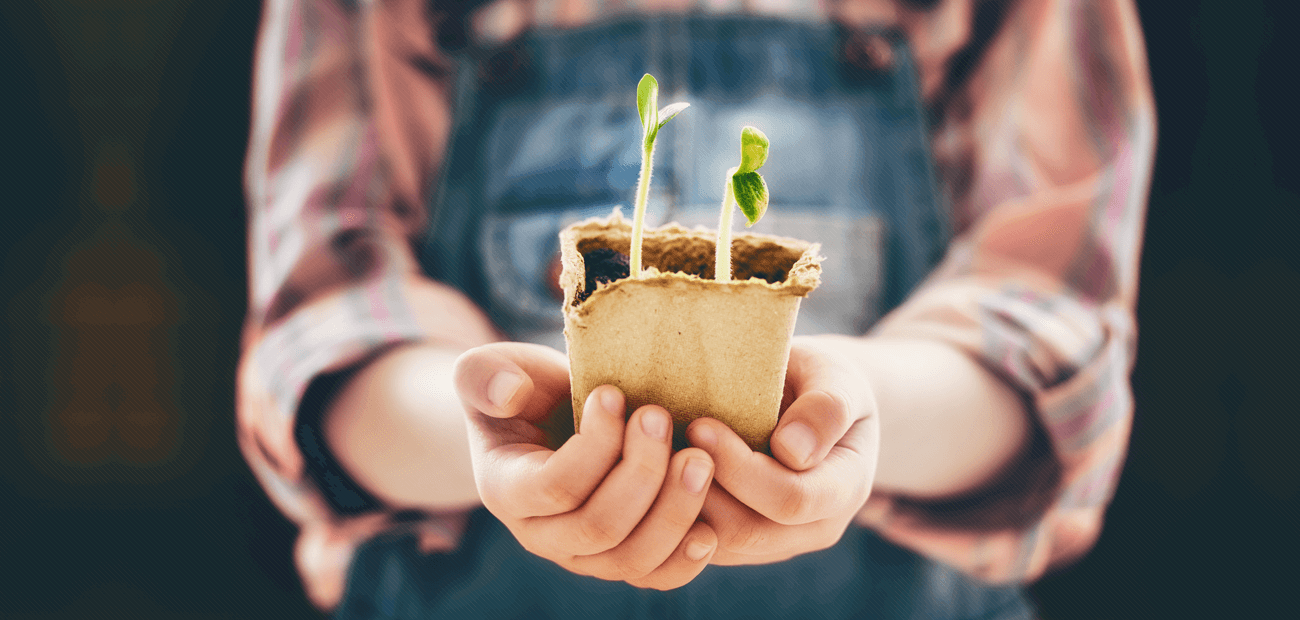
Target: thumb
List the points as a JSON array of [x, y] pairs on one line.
[[828, 399], [509, 379]]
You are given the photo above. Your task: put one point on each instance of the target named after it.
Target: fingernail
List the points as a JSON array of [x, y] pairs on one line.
[[611, 401], [502, 387], [696, 550], [655, 424], [705, 437], [696, 475], [799, 440]]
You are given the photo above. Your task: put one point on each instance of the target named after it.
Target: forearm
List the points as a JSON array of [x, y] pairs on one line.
[[397, 427], [948, 424]]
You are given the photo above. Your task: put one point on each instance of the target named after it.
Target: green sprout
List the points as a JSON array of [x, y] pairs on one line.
[[748, 190], [652, 119]]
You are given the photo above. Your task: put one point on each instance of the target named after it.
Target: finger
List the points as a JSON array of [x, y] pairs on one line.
[[652, 543], [507, 379], [621, 500], [739, 529], [687, 561], [839, 483], [824, 407], [524, 480], [746, 537]]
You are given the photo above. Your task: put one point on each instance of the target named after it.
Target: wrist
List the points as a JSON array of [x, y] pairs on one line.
[[397, 427], [948, 425]]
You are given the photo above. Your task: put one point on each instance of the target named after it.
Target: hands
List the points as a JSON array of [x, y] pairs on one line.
[[611, 501], [766, 509]]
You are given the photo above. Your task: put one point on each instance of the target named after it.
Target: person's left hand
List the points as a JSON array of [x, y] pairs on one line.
[[768, 509]]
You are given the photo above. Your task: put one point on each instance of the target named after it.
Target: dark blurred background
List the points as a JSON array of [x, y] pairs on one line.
[[123, 274]]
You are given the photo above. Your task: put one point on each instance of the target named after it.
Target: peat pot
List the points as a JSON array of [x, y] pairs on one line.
[[677, 337]]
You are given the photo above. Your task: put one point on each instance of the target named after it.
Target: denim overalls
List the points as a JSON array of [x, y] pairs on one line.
[[548, 134]]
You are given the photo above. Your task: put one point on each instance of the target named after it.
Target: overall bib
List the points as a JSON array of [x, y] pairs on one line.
[[547, 134]]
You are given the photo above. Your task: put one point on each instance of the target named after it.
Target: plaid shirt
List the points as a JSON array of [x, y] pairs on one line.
[[1043, 132]]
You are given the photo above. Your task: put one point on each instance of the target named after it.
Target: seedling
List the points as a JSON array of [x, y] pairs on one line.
[[652, 119], [672, 340], [748, 190]]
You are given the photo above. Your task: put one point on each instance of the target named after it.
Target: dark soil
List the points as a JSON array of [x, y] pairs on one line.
[[603, 265]]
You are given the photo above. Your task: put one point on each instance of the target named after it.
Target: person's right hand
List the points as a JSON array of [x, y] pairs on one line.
[[608, 502]]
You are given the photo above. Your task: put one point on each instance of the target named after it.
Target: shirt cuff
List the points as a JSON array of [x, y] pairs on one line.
[[324, 336], [1072, 362]]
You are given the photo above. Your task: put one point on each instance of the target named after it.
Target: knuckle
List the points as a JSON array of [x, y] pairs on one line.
[[558, 498], [646, 469], [841, 414], [624, 566], [678, 521], [607, 571], [795, 505], [743, 537], [596, 535], [644, 584], [631, 569]]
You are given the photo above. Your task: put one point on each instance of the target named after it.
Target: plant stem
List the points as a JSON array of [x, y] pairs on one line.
[[722, 253], [638, 216]]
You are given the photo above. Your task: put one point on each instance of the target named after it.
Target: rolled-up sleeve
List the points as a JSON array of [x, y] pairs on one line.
[[1048, 151], [351, 109]]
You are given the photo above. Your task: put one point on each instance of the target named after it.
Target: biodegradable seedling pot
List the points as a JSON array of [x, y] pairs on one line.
[[678, 338]]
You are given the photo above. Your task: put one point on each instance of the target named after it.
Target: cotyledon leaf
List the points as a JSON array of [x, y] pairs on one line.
[[753, 149], [751, 195], [647, 100]]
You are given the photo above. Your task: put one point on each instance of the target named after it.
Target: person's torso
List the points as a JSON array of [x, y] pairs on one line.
[[547, 134]]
